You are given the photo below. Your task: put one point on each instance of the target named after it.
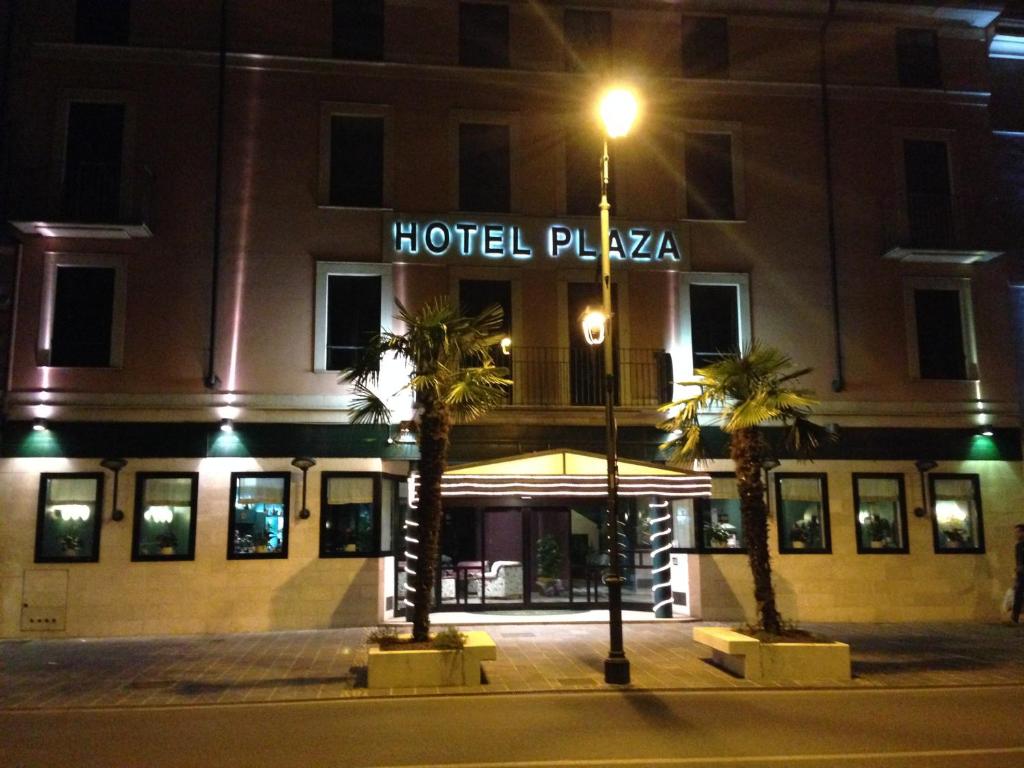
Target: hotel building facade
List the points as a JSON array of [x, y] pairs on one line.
[[212, 204]]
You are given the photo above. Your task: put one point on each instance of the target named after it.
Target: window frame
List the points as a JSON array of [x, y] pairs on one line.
[[326, 269], [902, 49], [904, 548], [735, 131], [976, 485], [499, 63], [459, 117], [575, 64], [826, 523], [963, 286], [702, 509], [54, 260], [140, 489], [332, 109], [60, 144], [712, 75], [94, 555], [378, 486], [347, 55], [282, 554], [682, 354]]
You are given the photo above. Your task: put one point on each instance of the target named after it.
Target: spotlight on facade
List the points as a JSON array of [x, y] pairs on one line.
[[985, 432], [303, 463], [39, 424], [115, 466], [227, 425], [593, 322]]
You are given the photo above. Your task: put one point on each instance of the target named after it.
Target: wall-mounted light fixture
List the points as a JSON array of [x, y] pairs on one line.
[[115, 466], [923, 467], [506, 345], [39, 424], [593, 322], [303, 463], [227, 425]]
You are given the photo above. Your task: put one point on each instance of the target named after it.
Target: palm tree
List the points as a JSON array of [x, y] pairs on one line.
[[746, 390], [452, 377]]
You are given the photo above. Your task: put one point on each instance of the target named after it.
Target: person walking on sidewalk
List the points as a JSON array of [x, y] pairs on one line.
[[1018, 583]]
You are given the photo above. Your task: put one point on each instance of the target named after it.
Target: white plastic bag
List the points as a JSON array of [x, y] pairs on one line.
[[1008, 601]]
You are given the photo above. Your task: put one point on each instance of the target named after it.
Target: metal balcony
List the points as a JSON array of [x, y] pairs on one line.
[[936, 228], [574, 376]]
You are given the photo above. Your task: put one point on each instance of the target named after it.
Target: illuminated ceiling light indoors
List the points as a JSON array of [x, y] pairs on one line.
[[73, 512], [227, 425], [985, 432], [159, 514], [39, 424]]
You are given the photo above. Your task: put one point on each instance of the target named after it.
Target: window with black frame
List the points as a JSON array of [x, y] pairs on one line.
[[802, 513], [720, 518], [258, 518], [68, 522], [82, 328], [353, 318], [165, 516], [881, 522], [956, 514], [483, 35], [714, 322], [348, 519]]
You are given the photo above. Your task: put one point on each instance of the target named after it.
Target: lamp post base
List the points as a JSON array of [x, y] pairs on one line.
[[616, 670]]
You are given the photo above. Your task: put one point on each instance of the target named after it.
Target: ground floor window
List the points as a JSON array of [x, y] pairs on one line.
[[165, 516], [956, 519], [802, 511], [258, 518], [720, 518], [68, 523], [347, 516], [881, 508]]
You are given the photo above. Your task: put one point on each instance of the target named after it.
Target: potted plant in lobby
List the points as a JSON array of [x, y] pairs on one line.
[[879, 531], [71, 544], [549, 565], [167, 542], [799, 535], [718, 534], [262, 541], [453, 377], [956, 537]]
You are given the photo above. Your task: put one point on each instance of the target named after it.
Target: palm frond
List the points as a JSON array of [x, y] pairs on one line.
[[368, 407]]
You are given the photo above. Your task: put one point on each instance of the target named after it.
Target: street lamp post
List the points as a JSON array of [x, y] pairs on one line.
[[618, 110]]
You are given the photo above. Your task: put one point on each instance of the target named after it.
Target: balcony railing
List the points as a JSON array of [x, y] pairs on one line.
[[920, 223], [569, 376]]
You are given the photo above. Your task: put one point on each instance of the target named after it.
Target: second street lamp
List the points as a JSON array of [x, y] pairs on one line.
[[618, 109]]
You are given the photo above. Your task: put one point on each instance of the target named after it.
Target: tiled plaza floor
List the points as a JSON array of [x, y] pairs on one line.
[[326, 664]]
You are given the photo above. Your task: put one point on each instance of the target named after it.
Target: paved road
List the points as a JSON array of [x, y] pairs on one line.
[[844, 728]]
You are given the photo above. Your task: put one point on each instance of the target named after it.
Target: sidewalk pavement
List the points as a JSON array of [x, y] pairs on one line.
[[330, 664]]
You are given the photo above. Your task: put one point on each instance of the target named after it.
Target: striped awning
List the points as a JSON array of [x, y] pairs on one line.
[[565, 474]]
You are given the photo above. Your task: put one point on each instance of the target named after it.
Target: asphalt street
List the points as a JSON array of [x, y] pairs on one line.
[[918, 728]]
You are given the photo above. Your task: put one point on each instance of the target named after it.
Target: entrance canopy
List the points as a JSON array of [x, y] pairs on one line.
[[561, 473]]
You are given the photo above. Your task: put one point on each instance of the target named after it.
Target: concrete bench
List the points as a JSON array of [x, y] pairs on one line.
[[748, 657], [431, 667]]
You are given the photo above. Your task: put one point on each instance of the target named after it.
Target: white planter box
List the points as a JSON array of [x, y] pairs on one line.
[[775, 662], [429, 668]]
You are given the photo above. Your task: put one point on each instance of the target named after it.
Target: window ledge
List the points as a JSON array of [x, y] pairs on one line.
[[940, 256], [83, 231], [370, 208]]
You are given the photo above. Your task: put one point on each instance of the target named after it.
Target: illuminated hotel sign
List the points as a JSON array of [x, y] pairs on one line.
[[533, 242]]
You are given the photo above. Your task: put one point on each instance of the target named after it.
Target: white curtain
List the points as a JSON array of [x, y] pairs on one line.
[[65, 490], [961, 490], [260, 490], [801, 489], [724, 488], [350, 490], [877, 489], [168, 492]]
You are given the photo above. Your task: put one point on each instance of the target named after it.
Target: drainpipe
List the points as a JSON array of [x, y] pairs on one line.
[[211, 380], [839, 381]]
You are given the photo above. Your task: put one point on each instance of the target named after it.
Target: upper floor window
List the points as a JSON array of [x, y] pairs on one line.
[[357, 161], [940, 328], [93, 154], [956, 513], [917, 58], [930, 210], [588, 40], [258, 517], [802, 510], [705, 46], [358, 29], [881, 508], [708, 162], [717, 322], [68, 522], [485, 182], [353, 304], [483, 35], [102, 22], [82, 320], [165, 516]]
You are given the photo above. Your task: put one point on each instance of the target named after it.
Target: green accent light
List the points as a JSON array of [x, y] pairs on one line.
[[983, 448]]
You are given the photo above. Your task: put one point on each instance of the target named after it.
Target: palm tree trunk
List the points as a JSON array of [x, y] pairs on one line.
[[747, 452], [434, 435]]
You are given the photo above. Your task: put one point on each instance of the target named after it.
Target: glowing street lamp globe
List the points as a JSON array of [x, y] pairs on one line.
[[593, 322], [618, 110]]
